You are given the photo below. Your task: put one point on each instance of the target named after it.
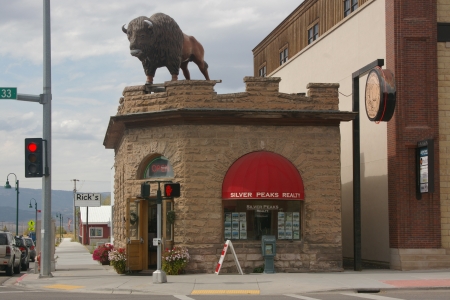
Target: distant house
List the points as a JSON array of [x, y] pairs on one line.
[[95, 225]]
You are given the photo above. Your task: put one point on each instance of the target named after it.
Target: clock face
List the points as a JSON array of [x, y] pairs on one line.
[[373, 96]]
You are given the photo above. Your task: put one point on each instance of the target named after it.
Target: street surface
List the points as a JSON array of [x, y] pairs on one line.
[[13, 293]]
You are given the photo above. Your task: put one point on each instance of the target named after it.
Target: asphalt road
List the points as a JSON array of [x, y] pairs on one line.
[[9, 291], [14, 293]]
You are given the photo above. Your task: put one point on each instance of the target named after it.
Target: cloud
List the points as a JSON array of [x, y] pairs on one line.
[[91, 65]]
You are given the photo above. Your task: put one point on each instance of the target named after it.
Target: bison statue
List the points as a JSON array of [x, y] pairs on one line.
[[159, 42]]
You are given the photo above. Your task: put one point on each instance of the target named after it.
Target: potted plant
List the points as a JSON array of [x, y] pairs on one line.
[[101, 253], [175, 260], [117, 259]]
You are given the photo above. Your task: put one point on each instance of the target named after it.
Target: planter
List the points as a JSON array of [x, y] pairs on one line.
[[105, 263]]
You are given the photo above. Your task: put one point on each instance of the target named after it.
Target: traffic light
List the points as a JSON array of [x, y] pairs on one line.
[[33, 157], [172, 190]]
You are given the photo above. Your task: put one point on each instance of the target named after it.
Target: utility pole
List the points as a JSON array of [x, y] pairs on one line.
[[74, 211]]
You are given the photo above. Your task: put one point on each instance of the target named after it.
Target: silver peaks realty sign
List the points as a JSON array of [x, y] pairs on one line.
[[87, 199]]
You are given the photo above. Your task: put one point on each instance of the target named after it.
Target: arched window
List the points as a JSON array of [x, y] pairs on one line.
[[158, 167]]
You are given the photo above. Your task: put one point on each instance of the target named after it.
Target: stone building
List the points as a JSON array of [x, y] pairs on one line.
[[254, 163]]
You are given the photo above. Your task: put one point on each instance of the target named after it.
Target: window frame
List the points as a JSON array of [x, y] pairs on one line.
[[249, 219], [350, 6], [284, 54], [313, 33], [95, 228], [262, 71]]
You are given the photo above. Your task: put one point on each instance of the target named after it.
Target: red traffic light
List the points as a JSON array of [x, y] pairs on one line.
[[32, 147], [34, 157]]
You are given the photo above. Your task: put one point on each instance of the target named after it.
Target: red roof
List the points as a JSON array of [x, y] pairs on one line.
[[263, 175]]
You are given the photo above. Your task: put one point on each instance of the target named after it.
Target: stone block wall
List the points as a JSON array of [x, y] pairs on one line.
[[201, 155], [260, 93]]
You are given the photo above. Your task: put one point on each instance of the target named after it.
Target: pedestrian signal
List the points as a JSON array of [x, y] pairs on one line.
[[172, 190]]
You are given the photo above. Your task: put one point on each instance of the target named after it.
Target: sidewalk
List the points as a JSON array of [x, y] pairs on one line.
[[77, 272]]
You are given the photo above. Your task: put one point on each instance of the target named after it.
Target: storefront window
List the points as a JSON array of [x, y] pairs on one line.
[[249, 220]]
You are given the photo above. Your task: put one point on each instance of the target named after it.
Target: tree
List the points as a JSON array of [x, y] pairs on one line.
[[106, 200], [5, 228], [60, 230]]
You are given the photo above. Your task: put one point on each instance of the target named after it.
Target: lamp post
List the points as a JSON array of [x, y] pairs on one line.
[[60, 226], [7, 186], [35, 208]]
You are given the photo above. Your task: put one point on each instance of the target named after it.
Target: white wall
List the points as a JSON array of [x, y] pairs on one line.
[[352, 44]]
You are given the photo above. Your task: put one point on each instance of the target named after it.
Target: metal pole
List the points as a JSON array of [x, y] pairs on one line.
[[17, 206], [74, 209], [35, 224], [47, 135], [159, 276], [357, 247], [87, 225]]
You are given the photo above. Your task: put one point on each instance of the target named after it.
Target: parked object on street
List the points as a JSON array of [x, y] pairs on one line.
[[10, 254], [25, 261], [31, 248]]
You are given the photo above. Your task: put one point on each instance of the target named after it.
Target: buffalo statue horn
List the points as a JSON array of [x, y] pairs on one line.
[[123, 28], [150, 24]]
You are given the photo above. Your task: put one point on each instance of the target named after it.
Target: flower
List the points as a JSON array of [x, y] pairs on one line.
[[117, 259], [175, 260], [101, 253]]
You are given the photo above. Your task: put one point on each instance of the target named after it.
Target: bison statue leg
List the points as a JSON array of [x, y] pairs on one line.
[[203, 66], [185, 70], [149, 71]]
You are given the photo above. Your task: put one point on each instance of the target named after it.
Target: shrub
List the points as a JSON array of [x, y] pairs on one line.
[[175, 260]]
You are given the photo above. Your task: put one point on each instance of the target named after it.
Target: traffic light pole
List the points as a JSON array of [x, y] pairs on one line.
[[159, 276], [45, 100], [46, 232]]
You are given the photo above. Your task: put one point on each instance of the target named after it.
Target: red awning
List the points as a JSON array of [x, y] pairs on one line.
[[263, 175]]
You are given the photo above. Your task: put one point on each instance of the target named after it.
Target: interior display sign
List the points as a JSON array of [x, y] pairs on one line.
[[425, 167], [159, 167]]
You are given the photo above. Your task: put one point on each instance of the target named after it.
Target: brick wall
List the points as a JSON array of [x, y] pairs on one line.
[[201, 154], [412, 55], [443, 53]]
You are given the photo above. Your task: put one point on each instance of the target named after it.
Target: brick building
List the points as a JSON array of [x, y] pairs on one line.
[[254, 163], [327, 41]]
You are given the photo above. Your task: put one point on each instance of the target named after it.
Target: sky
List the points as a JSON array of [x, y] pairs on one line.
[[91, 65]]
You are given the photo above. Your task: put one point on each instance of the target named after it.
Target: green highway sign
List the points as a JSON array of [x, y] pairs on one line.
[[8, 93]]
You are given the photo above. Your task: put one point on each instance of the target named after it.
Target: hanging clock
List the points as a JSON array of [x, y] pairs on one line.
[[380, 95]]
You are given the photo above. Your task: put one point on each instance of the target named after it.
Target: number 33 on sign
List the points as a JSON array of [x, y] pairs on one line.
[[8, 93]]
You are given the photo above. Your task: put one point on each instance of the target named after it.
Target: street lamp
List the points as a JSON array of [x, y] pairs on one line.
[[7, 186], [60, 226], [35, 208]]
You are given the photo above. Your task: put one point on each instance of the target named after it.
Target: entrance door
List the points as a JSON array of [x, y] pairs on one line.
[[166, 229], [137, 239]]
